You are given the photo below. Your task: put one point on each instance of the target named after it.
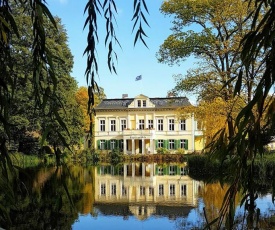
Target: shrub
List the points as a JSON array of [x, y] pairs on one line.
[[180, 151], [162, 151]]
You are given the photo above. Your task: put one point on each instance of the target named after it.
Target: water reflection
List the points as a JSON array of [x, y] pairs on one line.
[[118, 197], [143, 190]]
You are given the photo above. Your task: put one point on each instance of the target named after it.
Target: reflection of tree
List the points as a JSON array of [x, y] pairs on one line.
[[50, 205]]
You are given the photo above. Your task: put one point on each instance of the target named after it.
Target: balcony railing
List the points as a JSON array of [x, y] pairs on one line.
[[138, 132]]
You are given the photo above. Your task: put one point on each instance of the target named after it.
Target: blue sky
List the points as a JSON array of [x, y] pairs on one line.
[[157, 78]]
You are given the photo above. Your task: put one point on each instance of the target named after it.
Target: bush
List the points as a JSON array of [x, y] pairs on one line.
[[180, 151], [162, 151]]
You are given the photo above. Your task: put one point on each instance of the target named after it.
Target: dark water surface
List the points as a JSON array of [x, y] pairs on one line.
[[127, 196]]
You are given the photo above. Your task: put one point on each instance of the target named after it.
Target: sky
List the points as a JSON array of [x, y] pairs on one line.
[[157, 78]]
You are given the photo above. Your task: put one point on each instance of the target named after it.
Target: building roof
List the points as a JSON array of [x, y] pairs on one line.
[[158, 102]]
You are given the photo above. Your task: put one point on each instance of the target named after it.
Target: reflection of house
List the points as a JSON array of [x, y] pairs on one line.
[[143, 190], [142, 124]]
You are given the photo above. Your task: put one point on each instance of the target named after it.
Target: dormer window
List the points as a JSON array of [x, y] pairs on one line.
[[141, 103], [144, 103]]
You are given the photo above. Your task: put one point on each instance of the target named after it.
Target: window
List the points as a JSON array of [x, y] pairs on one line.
[[183, 144], [183, 190], [172, 170], [172, 190], [160, 171], [160, 143], [142, 190], [171, 123], [112, 144], [141, 124], [160, 124], [113, 125], [144, 103], [123, 190], [113, 189], [183, 171], [150, 124], [182, 125], [103, 189], [151, 191], [102, 144], [102, 125], [139, 103], [171, 144], [123, 124], [161, 190]]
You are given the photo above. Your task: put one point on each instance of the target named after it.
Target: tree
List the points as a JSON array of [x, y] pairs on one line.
[[219, 28]]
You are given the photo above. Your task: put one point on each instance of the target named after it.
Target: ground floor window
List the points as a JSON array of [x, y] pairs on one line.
[[142, 190], [102, 144], [161, 190], [183, 190], [172, 190], [103, 189], [171, 144], [160, 143]]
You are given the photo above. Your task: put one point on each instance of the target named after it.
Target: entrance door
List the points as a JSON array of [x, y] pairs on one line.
[[140, 146]]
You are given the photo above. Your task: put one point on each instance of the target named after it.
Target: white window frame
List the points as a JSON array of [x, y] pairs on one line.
[[141, 124], [161, 189], [150, 124], [112, 144], [182, 143], [171, 144], [160, 171], [123, 124], [102, 125], [144, 103], [171, 124], [160, 143], [102, 144], [172, 190], [183, 190], [142, 191], [151, 191], [172, 170], [112, 125], [102, 189], [182, 125], [160, 124], [113, 189]]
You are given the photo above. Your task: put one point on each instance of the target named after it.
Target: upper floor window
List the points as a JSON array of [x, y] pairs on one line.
[[113, 125], [150, 124], [141, 124], [160, 171], [160, 124], [144, 103], [102, 125], [139, 103], [182, 124], [123, 124], [171, 123]]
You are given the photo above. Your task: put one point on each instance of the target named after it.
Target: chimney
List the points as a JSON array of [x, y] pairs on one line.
[[124, 95]]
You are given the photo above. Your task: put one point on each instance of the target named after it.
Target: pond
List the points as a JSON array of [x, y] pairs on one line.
[[126, 196]]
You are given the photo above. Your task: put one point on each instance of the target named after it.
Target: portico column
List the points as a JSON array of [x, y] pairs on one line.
[[143, 146], [124, 145], [143, 169], [133, 146], [151, 147]]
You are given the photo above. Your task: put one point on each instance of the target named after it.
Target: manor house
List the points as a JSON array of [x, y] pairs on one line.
[[143, 125]]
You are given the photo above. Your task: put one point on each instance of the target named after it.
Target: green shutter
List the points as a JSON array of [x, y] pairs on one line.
[[178, 169], [165, 144], [165, 170], [157, 170], [177, 144], [186, 144], [98, 144], [156, 142]]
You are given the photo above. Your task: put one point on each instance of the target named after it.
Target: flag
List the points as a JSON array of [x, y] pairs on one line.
[[138, 78]]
